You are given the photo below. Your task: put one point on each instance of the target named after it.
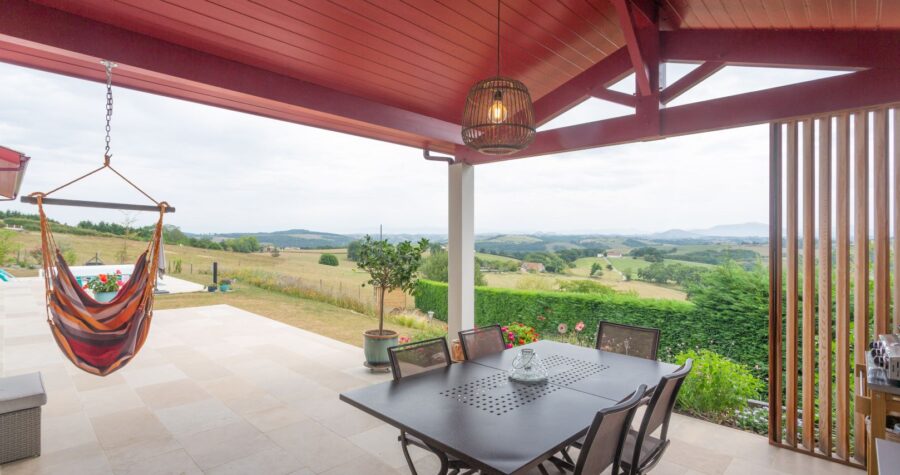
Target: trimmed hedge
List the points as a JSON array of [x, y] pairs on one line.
[[682, 325]]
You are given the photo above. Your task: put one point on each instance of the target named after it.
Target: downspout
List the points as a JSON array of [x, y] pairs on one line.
[[437, 158]]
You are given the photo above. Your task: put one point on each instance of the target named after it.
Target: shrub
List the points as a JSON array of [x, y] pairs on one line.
[[585, 287], [753, 419], [328, 260], [717, 386], [435, 267]]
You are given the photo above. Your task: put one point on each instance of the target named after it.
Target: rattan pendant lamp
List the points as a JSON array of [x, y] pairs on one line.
[[498, 118]]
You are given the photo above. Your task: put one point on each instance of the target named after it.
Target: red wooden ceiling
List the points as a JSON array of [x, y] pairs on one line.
[[419, 56]]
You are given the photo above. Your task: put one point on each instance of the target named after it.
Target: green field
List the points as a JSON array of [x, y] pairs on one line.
[[492, 257]]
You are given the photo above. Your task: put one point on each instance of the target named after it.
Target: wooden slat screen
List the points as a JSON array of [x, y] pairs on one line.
[[831, 192]]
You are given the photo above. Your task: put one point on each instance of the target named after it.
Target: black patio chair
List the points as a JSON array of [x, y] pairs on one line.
[[602, 446], [642, 450], [628, 340], [482, 341], [416, 358]]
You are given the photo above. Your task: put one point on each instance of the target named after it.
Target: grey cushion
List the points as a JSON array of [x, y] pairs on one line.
[[25, 391]]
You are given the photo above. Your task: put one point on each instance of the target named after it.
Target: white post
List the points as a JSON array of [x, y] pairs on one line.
[[461, 249]]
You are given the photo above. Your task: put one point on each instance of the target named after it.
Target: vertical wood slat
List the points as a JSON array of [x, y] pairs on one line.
[[882, 297], [825, 334], [861, 261], [775, 297], [896, 114], [809, 285], [791, 211], [842, 290]]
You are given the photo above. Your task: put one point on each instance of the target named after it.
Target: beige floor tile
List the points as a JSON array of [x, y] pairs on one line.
[[140, 450], [62, 402], [697, 458], [176, 462], [173, 393], [86, 382], [270, 462], [65, 432], [351, 423], [224, 444], [109, 399], [365, 464], [121, 429], [317, 447], [274, 417], [85, 459], [196, 417], [146, 376]]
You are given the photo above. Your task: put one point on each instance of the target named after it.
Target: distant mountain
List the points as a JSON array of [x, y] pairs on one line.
[[302, 238], [676, 234], [735, 230]]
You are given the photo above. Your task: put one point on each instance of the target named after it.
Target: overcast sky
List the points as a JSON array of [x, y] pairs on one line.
[[231, 172]]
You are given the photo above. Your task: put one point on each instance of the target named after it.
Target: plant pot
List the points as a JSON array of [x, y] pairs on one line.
[[224, 287], [376, 345], [104, 297], [211, 288]]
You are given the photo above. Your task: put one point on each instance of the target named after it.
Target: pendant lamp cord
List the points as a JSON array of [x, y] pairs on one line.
[[109, 65], [498, 38]]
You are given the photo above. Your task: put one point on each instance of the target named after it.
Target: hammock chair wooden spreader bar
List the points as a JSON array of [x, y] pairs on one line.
[[94, 204], [99, 337]]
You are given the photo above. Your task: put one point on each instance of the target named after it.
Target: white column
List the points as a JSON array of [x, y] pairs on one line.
[[461, 249]]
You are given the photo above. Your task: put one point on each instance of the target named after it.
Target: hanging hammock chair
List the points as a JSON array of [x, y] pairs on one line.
[[99, 338]]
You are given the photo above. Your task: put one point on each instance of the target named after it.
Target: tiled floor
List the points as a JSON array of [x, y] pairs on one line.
[[223, 391]]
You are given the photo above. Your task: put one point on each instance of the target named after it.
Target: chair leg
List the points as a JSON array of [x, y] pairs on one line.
[[542, 469], [566, 456], [404, 445]]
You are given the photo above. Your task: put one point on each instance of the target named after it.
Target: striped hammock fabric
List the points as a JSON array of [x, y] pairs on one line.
[[98, 338]]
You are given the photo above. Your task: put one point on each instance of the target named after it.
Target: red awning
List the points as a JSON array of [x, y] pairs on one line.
[[12, 171]]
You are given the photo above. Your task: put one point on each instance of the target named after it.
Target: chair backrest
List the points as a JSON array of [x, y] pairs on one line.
[[659, 411], [482, 341], [419, 357], [606, 437], [628, 340]]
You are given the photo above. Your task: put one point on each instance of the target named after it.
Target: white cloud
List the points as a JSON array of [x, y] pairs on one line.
[[228, 171]]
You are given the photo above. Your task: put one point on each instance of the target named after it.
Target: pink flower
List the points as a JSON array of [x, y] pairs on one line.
[[511, 336], [579, 326], [118, 272], [120, 283], [562, 328], [404, 339], [509, 345]]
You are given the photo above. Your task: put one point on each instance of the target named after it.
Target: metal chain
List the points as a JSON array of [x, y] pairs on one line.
[[109, 105]]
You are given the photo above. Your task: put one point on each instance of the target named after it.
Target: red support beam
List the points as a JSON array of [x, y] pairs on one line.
[[46, 38], [847, 92], [689, 80], [631, 24], [614, 96], [794, 48], [611, 69]]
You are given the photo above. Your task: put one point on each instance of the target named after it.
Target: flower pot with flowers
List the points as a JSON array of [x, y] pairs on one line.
[[390, 267], [105, 286], [517, 334]]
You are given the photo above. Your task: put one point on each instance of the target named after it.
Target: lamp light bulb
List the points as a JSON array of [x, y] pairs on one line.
[[497, 111]]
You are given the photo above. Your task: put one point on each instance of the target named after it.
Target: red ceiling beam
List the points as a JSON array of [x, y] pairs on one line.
[[689, 80], [847, 92], [614, 96], [68, 44], [794, 48], [609, 70], [631, 22]]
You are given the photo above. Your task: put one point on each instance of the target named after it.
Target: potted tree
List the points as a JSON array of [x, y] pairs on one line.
[[390, 268]]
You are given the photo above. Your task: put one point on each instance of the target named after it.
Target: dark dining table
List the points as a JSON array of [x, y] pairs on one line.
[[472, 411]]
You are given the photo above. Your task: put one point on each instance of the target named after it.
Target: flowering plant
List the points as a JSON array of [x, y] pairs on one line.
[[516, 334], [105, 283]]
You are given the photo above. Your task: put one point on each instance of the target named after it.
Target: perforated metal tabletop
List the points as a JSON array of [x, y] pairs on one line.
[[474, 412]]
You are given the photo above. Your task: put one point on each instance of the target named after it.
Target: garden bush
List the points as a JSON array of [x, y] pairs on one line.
[[717, 387], [328, 260]]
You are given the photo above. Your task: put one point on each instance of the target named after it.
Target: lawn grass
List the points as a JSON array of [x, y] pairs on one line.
[[491, 257], [324, 319]]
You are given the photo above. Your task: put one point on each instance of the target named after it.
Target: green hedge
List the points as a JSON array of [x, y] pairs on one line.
[[682, 325]]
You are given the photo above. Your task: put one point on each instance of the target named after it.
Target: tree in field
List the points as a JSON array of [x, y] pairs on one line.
[[596, 269], [328, 260], [353, 250], [435, 267], [390, 267]]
